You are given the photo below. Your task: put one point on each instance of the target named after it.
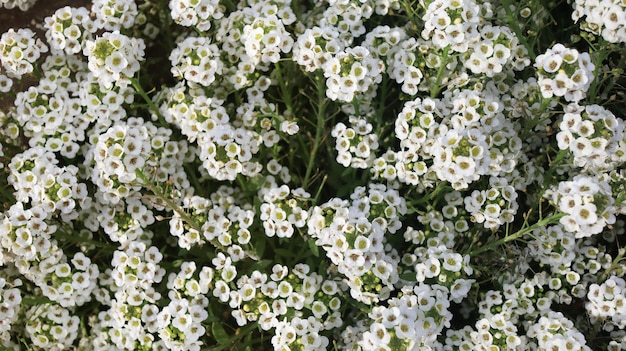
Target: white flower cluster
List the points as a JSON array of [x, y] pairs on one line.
[[475, 140], [588, 204], [133, 146], [23, 5], [564, 72], [526, 300], [347, 17], [222, 220], [128, 293], [38, 180], [114, 58], [554, 331], [253, 38], [10, 302], [114, 15], [409, 322], [51, 327], [49, 115], [353, 235], [68, 283], [312, 302], [19, 50], [440, 226], [225, 149], [555, 248], [196, 60], [604, 17], [495, 206], [452, 23], [282, 210], [68, 29], [350, 72], [355, 145], [382, 40], [179, 323], [441, 265], [497, 48], [405, 64], [197, 13], [593, 135], [103, 106], [21, 228], [316, 46], [123, 222], [607, 302]]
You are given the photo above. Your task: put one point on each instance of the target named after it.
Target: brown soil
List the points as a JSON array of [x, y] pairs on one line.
[[33, 18]]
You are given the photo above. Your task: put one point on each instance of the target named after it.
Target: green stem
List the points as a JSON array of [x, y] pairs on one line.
[[542, 223], [616, 261], [319, 130], [599, 57], [434, 91], [139, 89], [285, 92], [513, 24]]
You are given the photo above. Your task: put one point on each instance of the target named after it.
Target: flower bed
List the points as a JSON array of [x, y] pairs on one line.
[[307, 175]]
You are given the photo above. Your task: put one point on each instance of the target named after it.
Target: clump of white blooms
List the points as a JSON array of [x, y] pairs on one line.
[[38, 180], [23, 5], [555, 332], [281, 210], [593, 135], [68, 29], [607, 302], [347, 17], [114, 15], [252, 39], [475, 140], [197, 13], [353, 235], [497, 48], [127, 290], [565, 72], [10, 302], [351, 72], [19, 50], [409, 322], [125, 149], [451, 23], [495, 206], [267, 299], [179, 324], [114, 58], [355, 145], [588, 205], [606, 18], [51, 327], [316, 46], [49, 115], [196, 60]]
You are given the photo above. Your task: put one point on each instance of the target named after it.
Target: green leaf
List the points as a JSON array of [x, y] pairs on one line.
[[260, 244], [410, 276], [220, 334], [315, 250]]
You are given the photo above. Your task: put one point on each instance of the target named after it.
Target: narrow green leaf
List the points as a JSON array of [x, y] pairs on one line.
[[315, 250], [220, 334]]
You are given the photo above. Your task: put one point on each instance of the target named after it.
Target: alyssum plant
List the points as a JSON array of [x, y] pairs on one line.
[[308, 175]]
